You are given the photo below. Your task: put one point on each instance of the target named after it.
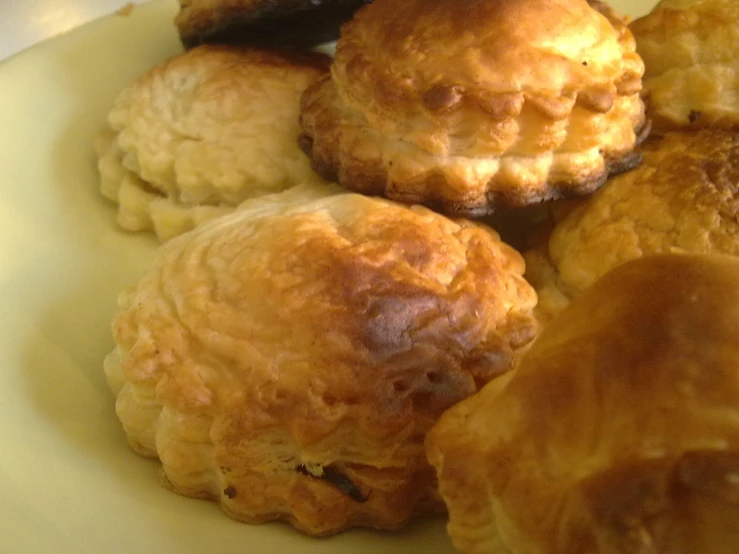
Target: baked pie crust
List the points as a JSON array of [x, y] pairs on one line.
[[288, 358], [204, 131], [618, 433], [464, 106]]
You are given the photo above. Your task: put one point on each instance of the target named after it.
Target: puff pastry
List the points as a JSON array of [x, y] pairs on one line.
[[618, 433], [288, 358], [464, 106], [203, 132], [280, 23], [683, 198], [691, 52]]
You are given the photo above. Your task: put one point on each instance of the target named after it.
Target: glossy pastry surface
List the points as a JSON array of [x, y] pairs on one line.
[[464, 106], [619, 431], [287, 359], [683, 198]]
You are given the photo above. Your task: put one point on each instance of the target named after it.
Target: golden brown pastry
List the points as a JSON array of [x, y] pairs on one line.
[[280, 23], [618, 433], [683, 198], [288, 358], [203, 132], [464, 106], [691, 52]]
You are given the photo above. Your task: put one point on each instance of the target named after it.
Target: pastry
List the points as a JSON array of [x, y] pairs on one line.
[[691, 52], [287, 359], [300, 23], [465, 106], [203, 132], [618, 433], [683, 198]]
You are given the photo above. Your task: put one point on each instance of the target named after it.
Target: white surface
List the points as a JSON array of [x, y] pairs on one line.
[[26, 22]]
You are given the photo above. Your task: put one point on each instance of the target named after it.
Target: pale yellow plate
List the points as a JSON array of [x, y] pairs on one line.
[[68, 482]]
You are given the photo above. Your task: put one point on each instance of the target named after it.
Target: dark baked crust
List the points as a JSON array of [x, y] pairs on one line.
[[297, 23], [227, 134]]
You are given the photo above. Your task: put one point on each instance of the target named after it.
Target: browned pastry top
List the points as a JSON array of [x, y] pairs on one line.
[[619, 432], [465, 106], [440, 54], [691, 53], [289, 341], [263, 22]]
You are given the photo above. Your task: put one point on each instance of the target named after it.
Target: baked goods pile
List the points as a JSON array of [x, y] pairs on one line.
[[304, 353]]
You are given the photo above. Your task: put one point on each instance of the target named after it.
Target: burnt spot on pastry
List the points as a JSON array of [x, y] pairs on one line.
[[388, 321], [338, 480], [694, 116], [230, 492], [630, 161]]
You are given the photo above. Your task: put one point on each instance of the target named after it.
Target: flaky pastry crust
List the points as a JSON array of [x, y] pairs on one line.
[[463, 106], [281, 23], [287, 360], [204, 131], [683, 198], [618, 433], [691, 52]]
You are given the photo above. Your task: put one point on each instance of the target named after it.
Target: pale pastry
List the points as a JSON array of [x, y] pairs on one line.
[[288, 358], [683, 198], [465, 106], [691, 52], [280, 23], [619, 431], [204, 131]]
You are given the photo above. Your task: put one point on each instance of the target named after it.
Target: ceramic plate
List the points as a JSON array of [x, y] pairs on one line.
[[69, 484]]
